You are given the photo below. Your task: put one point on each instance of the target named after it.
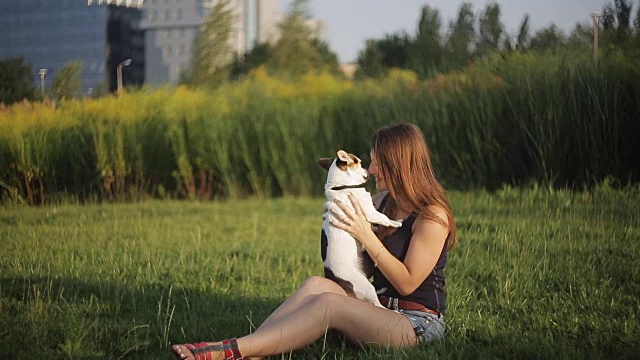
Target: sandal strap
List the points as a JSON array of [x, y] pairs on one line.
[[202, 351], [233, 353]]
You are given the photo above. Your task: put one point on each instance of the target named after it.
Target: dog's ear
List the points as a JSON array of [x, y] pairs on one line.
[[325, 163], [343, 156]]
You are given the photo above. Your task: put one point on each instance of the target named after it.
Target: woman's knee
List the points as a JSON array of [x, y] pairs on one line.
[[319, 285], [326, 301]]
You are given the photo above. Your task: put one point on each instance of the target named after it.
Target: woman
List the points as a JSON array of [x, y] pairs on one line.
[[409, 262]]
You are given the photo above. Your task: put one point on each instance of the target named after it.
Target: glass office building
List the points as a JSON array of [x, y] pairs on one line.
[[50, 33]]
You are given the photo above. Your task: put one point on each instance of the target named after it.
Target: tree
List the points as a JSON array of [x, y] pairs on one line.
[[635, 49], [298, 50], [581, 37], [636, 22], [252, 59], [523, 39], [490, 31], [548, 39], [328, 58], [426, 51], [461, 37], [616, 23], [370, 61], [623, 15], [395, 50], [66, 83], [16, 81], [212, 48], [608, 17]]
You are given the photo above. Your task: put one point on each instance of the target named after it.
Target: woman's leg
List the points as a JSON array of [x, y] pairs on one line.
[[361, 322], [313, 285]]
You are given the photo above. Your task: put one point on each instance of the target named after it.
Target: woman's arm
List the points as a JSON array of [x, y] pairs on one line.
[[427, 242]]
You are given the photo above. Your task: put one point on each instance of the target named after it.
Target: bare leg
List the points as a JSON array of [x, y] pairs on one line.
[[361, 322], [313, 285]]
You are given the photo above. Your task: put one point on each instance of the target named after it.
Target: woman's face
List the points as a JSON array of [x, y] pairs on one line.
[[373, 170]]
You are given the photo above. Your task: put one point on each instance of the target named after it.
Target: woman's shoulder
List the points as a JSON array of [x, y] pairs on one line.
[[434, 211]]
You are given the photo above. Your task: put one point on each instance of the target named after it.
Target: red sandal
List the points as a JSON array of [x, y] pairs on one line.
[[203, 351]]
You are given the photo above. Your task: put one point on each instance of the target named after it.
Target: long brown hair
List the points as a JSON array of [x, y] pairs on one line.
[[404, 160]]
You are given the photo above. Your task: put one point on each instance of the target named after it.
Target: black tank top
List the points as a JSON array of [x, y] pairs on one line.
[[431, 292]]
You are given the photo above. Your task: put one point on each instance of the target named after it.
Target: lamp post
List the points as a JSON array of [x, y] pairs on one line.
[[596, 28], [119, 74], [42, 72]]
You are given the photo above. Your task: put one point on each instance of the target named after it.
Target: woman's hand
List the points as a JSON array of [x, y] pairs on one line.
[[352, 221]]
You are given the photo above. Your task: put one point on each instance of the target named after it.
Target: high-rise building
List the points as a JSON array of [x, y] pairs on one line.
[[171, 26], [50, 33]]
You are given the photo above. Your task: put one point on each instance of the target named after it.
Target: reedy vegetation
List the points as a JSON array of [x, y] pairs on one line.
[[555, 119]]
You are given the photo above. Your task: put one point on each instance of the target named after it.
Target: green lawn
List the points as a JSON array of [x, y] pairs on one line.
[[536, 274]]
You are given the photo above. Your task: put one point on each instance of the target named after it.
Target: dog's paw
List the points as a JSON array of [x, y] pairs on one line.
[[393, 223]]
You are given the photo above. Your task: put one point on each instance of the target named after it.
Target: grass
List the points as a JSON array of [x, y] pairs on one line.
[[538, 273]]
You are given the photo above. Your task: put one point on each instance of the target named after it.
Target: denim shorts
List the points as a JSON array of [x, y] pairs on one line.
[[427, 326]]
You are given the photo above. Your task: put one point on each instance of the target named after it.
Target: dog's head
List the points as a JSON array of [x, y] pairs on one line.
[[346, 169]]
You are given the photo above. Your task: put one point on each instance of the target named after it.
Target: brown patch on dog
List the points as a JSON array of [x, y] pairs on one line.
[[344, 161], [347, 286], [355, 160], [325, 163]]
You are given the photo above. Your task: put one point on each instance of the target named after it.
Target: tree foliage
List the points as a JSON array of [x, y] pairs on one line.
[[524, 37], [252, 59], [461, 38], [67, 83], [618, 26], [370, 61], [16, 81], [426, 51], [491, 31], [548, 39], [393, 51], [581, 37], [212, 48], [298, 50], [430, 52]]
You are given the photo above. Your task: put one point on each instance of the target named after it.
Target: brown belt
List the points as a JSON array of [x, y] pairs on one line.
[[405, 305]]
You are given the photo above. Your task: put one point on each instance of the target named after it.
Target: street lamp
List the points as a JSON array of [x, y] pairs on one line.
[[119, 74], [42, 72], [596, 28]]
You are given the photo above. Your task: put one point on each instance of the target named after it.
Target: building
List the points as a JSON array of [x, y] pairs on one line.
[[349, 69], [50, 33], [171, 26], [318, 29]]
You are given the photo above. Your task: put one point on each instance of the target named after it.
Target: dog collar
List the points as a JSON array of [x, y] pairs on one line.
[[349, 186]]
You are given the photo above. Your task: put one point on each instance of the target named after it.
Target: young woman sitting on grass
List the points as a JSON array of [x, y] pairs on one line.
[[410, 263]]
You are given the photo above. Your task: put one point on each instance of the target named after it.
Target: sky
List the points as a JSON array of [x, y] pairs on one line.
[[350, 22]]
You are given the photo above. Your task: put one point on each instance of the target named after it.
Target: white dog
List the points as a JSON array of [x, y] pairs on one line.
[[343, 261]]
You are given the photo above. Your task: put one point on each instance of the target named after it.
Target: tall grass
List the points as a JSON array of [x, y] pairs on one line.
[[558, 120]]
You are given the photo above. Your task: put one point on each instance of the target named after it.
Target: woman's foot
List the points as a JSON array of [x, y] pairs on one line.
[[225, 350]]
